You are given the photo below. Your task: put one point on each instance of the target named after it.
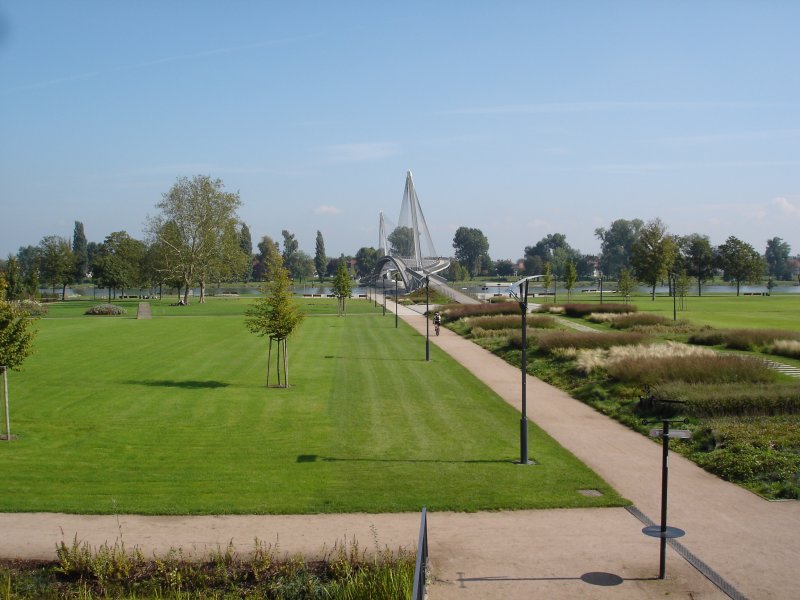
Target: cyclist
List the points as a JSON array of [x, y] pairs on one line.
[[437, 321]]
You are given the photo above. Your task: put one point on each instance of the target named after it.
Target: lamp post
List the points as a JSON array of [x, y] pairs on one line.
[[384, 295], [395, 301], [601, 287], [427, 320], [522, 298]]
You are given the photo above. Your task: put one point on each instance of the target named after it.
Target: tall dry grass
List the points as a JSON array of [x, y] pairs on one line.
[[602, 358]]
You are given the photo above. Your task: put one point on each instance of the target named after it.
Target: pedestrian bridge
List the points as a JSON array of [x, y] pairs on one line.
[[406, 250]]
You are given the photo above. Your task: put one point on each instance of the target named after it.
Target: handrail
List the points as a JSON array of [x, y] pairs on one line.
[[421, 568]]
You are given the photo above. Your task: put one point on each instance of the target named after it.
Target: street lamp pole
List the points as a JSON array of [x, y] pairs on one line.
[[523, 423], [384, 295], [395, 302], [427, 320], [601, 287]]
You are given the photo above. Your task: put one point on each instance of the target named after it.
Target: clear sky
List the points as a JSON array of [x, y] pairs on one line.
[[518, 118]]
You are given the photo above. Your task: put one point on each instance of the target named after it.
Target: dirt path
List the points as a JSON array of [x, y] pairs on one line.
[[553, 554]]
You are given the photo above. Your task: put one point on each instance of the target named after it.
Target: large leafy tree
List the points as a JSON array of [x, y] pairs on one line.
[[653, 254], [276, 315], [366, 258], [56, 262], [119, 263], [616, 244], [552, 248], [696, 257], [197, 219], [268, 259], [15, 285], [320, 259], [740, 262], [401, 242], [471, 248], [80, 251], [291, 253], [777, 257]]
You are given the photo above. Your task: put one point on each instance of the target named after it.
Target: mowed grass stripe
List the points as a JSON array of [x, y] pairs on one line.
[[171, 416]]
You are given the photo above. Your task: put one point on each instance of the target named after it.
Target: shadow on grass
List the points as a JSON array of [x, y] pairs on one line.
[[189, 384], [309, 458]]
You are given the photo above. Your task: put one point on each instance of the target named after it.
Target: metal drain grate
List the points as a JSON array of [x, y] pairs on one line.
[[693, 560]]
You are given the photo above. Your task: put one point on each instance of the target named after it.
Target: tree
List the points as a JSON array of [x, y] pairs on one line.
[[227, 262], [119, 262], [616, 243], [548, 277], [401, 242], [342, 287], [551, 248], [15, 286], [366, 258], [625, 284], [653, 254], [696, 258], [290, 253], [682, 287], [740, 262], [80, 252], [456, 272], [471, 248], [304, 267], [246, 245], [777, 257], [320, 259], [276, 315], [570, 277], [268, 259], [504, 267], [16, 344], [193, 227], [57, 262]]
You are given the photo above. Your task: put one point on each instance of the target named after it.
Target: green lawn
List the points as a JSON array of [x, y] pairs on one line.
[[171, 416]]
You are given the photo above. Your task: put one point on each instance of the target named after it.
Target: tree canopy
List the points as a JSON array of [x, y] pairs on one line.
[[471, 248], [740, 262], [616, 244], [320, 259], [652, 254]]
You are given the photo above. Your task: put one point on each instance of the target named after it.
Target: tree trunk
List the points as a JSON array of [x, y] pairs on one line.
[[186, 292], [202, 292], [63, 292], [653, 293], [109, 295], [737, 287]]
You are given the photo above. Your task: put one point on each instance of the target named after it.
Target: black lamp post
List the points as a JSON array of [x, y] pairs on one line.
[[427, 320], [384, 295], [523, 422], [395, 301]]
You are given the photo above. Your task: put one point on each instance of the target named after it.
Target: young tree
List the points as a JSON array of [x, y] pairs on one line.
[[320, 259], [13, 276], [16, 344], [682, 288], [548, 277], [625, 284], [471, 248], [570, 277], [740, 262], [342, 287], [276, 315], [653, 254], [80, 252], [193, 226]]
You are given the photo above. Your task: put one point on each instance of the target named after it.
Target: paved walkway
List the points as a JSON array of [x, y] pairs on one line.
[[551, 554]]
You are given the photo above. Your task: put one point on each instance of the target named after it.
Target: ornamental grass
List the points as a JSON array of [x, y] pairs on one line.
[[582, 310], [646, 370]]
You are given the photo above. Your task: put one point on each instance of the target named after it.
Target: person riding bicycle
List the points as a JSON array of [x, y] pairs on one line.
[[437, 321]]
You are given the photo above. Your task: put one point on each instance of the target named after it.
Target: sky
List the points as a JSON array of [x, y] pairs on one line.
[[517, 118]]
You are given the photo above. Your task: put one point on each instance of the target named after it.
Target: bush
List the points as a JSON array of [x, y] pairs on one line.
[[745, 464], [741, 339], [691, 369], [627, 321], [31, 307], [106, 310], [511, 322], [453, 312], [550, 341], [788, 348], [732, 399], [581, 310]]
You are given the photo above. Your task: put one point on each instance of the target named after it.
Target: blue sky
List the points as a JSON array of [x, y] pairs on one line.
[[518, 118]]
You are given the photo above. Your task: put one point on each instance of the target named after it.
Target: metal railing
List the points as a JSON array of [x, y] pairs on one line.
[[421, 569]]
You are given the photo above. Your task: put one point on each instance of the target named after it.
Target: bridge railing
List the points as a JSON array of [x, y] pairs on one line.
[[421, 567]]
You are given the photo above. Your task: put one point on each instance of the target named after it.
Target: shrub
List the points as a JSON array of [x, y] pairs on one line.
[[552, 340], [581, 310], [788, 348], [732, 399], [590, 359], [511, 322], [745, 464], [453, 312], [105, 309], [626, 321], [691, 369], [741, 339], [31, 307]]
